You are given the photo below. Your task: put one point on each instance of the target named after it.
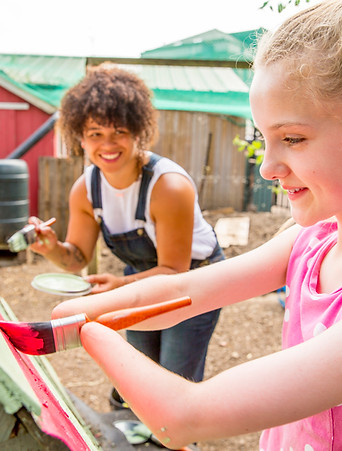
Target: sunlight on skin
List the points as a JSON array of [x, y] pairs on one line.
[[115, 371]]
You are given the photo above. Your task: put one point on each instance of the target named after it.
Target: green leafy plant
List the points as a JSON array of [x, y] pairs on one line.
[[253, 150], [281, 5]]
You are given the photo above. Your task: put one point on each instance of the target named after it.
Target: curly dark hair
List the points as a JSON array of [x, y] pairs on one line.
[[111, 97]]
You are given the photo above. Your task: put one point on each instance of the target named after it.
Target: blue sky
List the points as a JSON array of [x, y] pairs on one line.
[[122, 28]]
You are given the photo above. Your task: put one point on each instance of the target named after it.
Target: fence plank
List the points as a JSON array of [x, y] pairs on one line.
[[183, 137], [56, 177]]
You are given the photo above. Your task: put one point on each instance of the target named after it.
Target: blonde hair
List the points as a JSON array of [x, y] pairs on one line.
[[309, 45]]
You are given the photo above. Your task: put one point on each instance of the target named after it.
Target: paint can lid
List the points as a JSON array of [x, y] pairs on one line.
[[61, 284]]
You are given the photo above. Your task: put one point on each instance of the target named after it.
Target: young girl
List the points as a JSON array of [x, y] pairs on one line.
[[295, 394]]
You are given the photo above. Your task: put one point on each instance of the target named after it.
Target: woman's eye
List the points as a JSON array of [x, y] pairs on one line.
[[120, 131]]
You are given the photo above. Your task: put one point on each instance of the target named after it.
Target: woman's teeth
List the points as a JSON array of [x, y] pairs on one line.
[[110, 156]]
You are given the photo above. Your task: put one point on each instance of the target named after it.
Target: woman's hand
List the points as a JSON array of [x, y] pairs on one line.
[[104, 282], [46, 237]]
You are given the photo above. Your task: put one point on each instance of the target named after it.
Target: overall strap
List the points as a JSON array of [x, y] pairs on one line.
[[96, 193], [147, 173]]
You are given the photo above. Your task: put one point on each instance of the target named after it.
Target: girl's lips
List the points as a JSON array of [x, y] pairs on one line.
[[295, 193], [295, 190]]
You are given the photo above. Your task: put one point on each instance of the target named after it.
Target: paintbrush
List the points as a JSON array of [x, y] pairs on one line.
[[61, 334], [21, 239]]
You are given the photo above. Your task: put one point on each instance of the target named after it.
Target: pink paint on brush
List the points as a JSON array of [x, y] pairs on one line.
[[31, 338]]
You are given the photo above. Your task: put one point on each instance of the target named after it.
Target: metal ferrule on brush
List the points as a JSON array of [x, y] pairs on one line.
[[66, 331], [30, 234]]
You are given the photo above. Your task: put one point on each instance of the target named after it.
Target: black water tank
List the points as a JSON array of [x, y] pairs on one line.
[[14, 202]]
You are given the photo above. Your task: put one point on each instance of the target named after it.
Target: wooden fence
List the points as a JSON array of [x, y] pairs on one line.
[[56, 177], [203, 145]]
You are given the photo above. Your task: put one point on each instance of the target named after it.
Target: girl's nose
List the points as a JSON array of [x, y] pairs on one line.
[[272, 167]]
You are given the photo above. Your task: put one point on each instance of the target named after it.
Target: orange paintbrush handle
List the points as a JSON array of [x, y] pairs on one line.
[[49, 222], [121, 319]]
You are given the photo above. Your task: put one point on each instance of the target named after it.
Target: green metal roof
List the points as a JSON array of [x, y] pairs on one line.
[[204, 89], [43, 80], [213, 44], [46, 78], [216, 45], [185, 78]]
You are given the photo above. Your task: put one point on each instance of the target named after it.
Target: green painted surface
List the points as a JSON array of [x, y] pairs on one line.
[[15, 391]]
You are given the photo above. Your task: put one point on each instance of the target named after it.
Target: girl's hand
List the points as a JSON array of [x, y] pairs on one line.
[[46, 237], [104, 282]]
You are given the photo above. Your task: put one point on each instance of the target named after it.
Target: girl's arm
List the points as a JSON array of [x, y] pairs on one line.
[[243, 277], [270, 391], [76, 251]]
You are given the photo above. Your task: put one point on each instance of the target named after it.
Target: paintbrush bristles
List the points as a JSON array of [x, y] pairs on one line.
[[23, 238], [45, 337], [30, 338], [20, 240]]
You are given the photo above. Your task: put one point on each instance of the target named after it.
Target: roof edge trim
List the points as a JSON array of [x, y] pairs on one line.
[[46, 107]]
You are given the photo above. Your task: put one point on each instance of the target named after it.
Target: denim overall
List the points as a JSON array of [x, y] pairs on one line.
[[181, 348]]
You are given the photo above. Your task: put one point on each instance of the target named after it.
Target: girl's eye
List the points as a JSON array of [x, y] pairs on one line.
[[292, 140]]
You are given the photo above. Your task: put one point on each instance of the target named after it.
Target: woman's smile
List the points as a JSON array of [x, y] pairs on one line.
[[110, 156]]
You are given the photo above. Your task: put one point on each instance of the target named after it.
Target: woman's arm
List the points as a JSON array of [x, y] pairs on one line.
[[270, 391], [77, 250], [243, 277], [172, 211]]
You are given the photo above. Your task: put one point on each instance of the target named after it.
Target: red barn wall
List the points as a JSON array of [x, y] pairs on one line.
[[16, 126]]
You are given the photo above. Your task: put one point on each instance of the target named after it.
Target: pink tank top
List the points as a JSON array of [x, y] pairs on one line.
[[307, 314]]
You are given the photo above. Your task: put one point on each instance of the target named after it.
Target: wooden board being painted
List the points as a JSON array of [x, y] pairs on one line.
[[35, 411], [232, 231]]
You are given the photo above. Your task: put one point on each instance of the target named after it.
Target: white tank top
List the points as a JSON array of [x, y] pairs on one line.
[[119, 206]]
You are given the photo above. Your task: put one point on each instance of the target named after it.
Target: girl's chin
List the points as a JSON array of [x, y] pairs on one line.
[[309, 220]]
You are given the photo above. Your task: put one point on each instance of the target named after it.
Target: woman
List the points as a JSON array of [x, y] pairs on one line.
[[145, 205]]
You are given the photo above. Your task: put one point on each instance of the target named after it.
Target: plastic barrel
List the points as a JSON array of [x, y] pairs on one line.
[[14, 202]]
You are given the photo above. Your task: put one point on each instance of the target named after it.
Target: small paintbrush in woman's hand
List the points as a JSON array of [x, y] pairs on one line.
[[20, 240], [61, 334]]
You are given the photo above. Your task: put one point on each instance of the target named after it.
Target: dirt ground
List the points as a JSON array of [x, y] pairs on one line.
[[244, 332]]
